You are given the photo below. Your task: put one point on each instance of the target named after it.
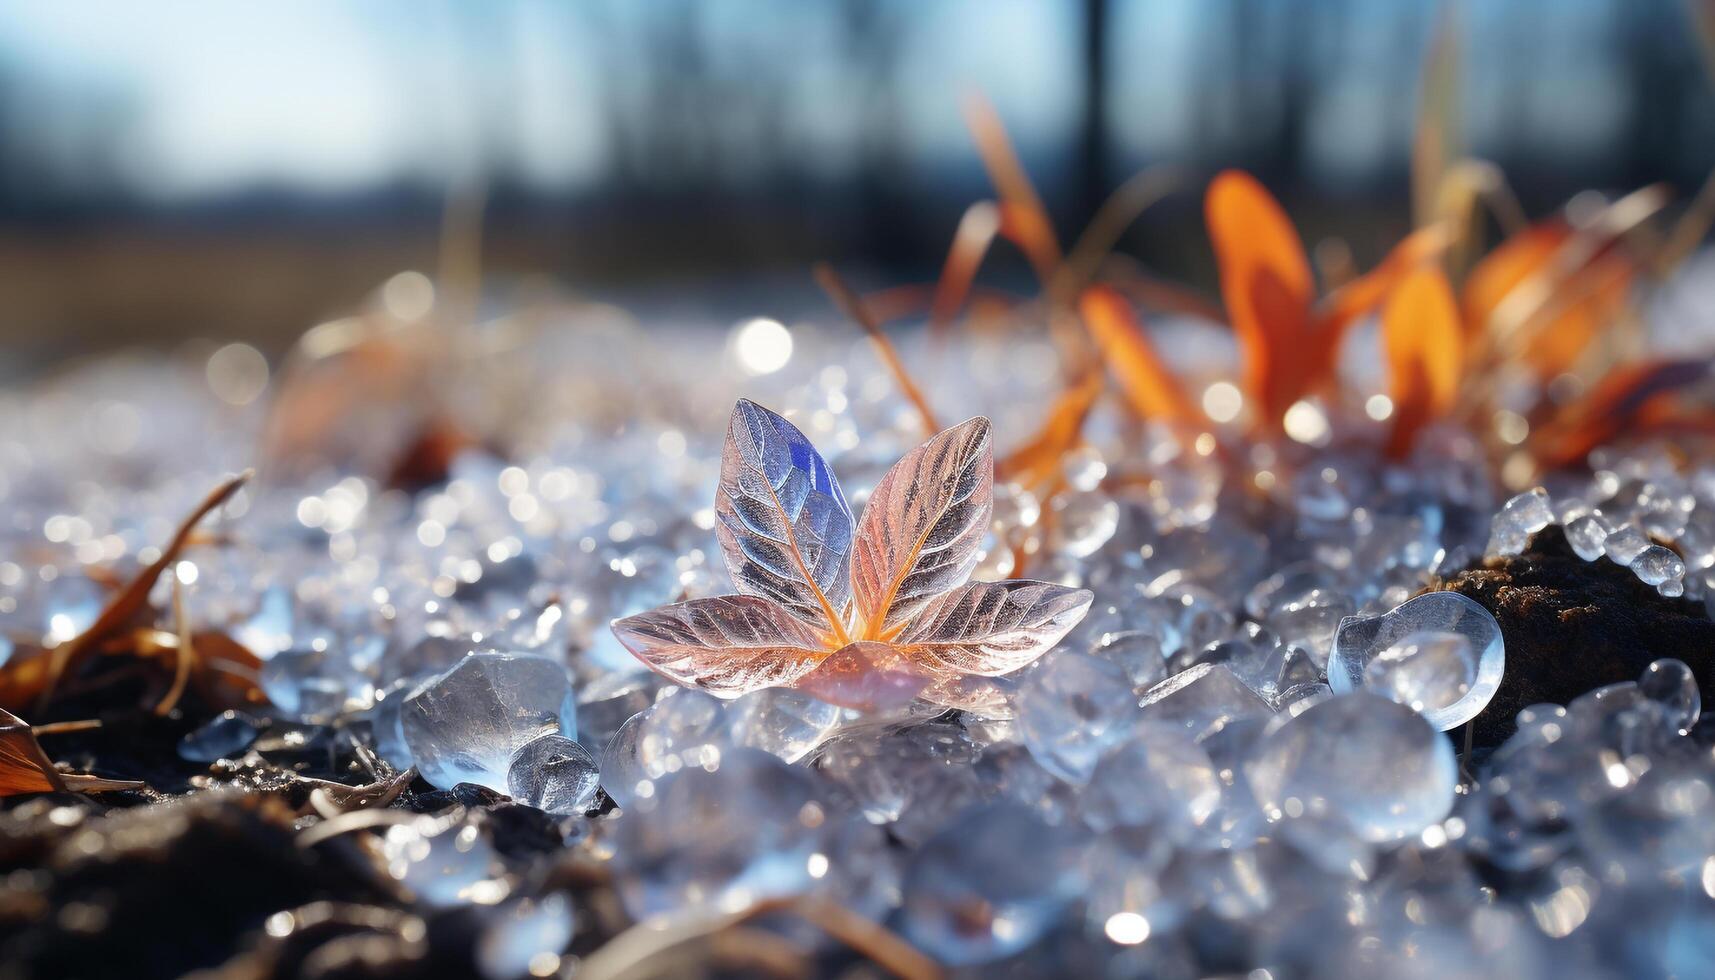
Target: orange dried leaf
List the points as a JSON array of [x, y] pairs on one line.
[[125, 607], [24, 767], [1502, 270], [1567, 327], [1150, 388], [1367, 291], [1425, 352], [1611, 408], [1024, 220], [1267, 286], [1039, 457]]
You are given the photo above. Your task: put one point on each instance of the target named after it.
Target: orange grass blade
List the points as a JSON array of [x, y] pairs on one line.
[[1024, 219], [1425, 352], [1433, 146], [1039, 457], [1267, 286], [853, 307], [976, 232], [1150, 388]]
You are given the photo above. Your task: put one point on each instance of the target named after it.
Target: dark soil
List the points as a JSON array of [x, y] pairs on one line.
[[1571, 626]]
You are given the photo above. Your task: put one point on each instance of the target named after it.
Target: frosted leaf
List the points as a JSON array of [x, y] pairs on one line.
[[992, 628], [920, 530], [782, 520], [728, 645], [866, 676]]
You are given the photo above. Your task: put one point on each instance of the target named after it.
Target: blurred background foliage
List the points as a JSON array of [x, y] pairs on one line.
[[180, 168]]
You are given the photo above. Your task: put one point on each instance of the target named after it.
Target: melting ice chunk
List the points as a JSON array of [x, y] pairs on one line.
[[1519, 518], [1426, 671], [1587, 535], [1362, 759], [226, 734], [1625, 544], [442, 865], [1202, 698], [555, 774], [1661, 568], [970, 899], [1443, 667], [466, 724], [1072, 709]]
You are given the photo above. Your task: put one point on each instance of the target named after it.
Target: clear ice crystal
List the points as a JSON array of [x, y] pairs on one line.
[[222, 736], [1587, 535], [1202, 699], [1138, 653], [971, 899], [1427, 671], [1360, 758], [1519, 518], [912, 780], [466, 725], [1662, 568], [526, 937], [748, 829], [1071, 709], [1159, 778], [555, 774], [783, 723], [443, 865], [1671, 684], [313, 685], [685, 728], [1362, 640], [1624, 544]]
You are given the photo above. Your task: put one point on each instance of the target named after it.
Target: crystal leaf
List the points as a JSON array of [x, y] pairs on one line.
[[867, 676], [783, 523], [921, 529], [726, 645], [993, 628]]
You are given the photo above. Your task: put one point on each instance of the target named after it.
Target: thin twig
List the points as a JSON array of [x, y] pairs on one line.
[[66, 727], [853, 307], [184, 658]]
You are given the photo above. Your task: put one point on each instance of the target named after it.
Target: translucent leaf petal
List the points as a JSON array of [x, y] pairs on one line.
[[867, 676], [920, 530], [728, 645], [783, 523], [993, 628]]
